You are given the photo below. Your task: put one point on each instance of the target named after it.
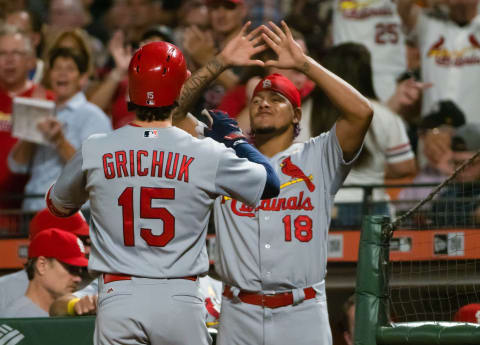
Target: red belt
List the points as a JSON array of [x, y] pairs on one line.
[[277, 300], [110, 277]]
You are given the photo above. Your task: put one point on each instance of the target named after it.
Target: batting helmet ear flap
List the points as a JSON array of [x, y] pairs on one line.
[[156, 74]]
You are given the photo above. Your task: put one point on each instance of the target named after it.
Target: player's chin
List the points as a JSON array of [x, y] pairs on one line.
[[260, 130]]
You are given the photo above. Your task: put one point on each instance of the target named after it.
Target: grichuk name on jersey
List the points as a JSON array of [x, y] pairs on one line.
[[275, 205], [135, 163]]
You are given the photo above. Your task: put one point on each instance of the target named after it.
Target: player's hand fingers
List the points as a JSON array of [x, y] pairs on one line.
[[252, 34], [269, 36], [87, 305], [244, 30], [270, 43], [256, 41], [206, 113], [423, 86], [271, 63], [287, 31], [259, 63], [277, 30]]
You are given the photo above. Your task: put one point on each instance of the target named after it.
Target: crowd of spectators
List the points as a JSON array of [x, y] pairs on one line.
[[419, 58]]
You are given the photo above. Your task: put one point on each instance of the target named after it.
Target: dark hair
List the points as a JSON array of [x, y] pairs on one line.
[[158, 30], [352, 63], [30, 267], [444, 112], [80, 59], [150, 114]]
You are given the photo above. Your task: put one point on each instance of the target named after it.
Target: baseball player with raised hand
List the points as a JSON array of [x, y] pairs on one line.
[[272, 257], [151, 188]]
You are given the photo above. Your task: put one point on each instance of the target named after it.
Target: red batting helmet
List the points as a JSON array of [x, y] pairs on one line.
[[75, 224], [156, 74]]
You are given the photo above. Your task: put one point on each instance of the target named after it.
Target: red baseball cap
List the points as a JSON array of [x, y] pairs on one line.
[[281, 84], [468, 313], [75, 224], [61, 245]]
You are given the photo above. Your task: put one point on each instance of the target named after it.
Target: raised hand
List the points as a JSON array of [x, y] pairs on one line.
[[199, 45], [121, 54], [52, 129], [407, 94], [240, 49], [289, 52]]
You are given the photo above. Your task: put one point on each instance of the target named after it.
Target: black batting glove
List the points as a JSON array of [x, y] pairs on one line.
[[224, 129]]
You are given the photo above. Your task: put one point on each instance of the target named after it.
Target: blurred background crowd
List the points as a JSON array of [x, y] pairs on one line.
[[417, 61]]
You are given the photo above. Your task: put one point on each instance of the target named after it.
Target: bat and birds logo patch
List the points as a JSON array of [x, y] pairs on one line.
[[297, 175]]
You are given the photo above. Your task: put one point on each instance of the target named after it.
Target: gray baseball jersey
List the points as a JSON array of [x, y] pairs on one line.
[[282, 245], [13, 286], [23, 307], [151, 192]]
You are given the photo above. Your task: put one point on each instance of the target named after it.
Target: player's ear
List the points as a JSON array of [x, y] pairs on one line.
[[41, 265], [297, 115]]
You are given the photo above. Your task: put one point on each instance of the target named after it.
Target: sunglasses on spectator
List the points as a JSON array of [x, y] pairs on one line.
[[73, 270]]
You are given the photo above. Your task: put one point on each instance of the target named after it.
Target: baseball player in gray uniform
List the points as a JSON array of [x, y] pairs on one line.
[[151, 188], [272, 256]]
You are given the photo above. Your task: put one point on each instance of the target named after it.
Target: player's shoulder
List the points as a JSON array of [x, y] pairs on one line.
[[95, 138], [13, 278], [210, 145]]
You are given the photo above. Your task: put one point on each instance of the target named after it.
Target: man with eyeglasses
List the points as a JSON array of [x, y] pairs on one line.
[[16, 60], [56, 260]]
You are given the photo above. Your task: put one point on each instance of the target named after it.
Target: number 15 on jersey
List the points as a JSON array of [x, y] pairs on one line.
[[147, 194]]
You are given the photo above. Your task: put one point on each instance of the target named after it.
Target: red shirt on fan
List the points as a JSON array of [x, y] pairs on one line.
[[12, 183]]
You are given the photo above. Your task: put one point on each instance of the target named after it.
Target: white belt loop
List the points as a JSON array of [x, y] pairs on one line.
[[235, 291], [298, 296], [320, 288]]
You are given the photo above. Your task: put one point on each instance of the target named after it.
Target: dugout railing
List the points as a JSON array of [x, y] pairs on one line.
[[14, 222], [373, 325]]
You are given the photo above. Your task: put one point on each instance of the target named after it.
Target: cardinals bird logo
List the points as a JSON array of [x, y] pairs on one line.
[[473, 41], [436, 46], [290, 169]]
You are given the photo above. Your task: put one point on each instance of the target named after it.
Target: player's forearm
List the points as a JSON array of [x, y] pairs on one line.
[[408, 12], [272, 183], [68, 194], [228, 79], [349, 101], [196, 84], [22, 152], [104, 92]]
